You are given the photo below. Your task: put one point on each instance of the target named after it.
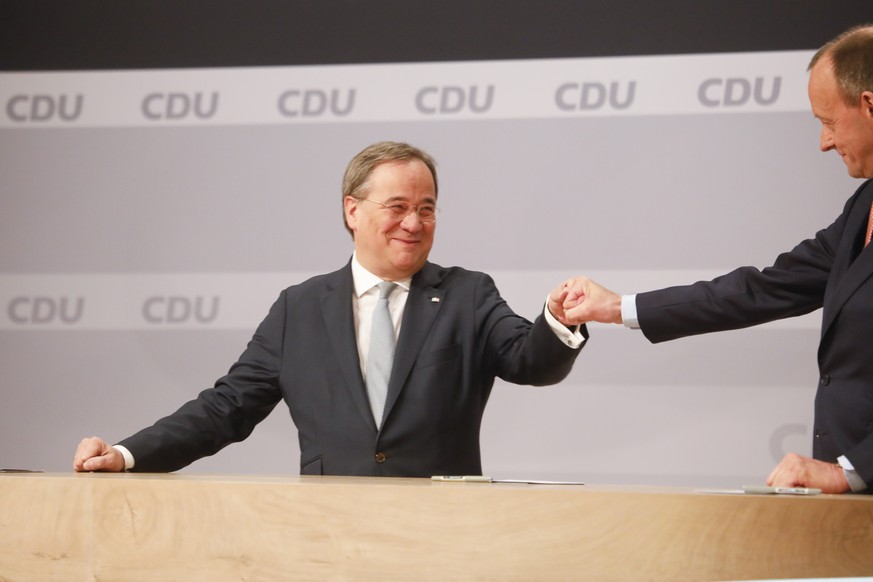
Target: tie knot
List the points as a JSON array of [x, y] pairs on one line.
[[385, 289]]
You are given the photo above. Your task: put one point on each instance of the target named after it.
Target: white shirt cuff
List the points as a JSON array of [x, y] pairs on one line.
[[571, 338], [128, 458], [856, 484], [629, 311]]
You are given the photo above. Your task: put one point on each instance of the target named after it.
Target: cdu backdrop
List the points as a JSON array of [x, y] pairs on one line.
[[150, 213]]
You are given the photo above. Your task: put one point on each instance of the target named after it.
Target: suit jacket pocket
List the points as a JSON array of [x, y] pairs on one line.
[[311, 467], [439, 356]]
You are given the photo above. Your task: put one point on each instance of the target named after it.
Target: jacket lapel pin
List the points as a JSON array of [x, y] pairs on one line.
[[434, 299]]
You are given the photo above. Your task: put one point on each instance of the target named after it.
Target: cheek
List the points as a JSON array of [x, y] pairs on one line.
[[387, 231], [867, 140]]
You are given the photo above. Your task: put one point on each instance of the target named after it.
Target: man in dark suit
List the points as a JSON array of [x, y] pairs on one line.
[[326, 350], [833, 270]]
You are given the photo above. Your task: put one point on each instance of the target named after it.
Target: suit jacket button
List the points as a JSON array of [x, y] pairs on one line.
[[825, 380], [381, 457]]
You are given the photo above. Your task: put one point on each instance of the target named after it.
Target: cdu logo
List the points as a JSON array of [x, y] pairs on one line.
[[737, 91], [452, 99], [41, 108], [178, 106], [45, 310], [593, 96], [177, 309], [316, 102]]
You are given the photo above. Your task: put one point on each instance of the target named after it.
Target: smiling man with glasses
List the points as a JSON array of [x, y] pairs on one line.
[[386, 365]]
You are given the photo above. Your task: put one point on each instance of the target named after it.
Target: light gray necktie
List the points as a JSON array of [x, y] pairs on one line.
[[381, 356]]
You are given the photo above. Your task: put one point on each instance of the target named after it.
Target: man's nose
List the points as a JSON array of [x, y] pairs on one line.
[[827, 140], [412, 222]]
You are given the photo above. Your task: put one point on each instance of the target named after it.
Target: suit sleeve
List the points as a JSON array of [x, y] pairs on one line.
[[223, 414], [520, 351], [794, 285], [861, 457]]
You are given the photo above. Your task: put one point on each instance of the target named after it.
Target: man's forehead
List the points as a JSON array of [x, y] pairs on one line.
[[397, 164], [822, 86], [822, 73], [399, 171], [404, 197]]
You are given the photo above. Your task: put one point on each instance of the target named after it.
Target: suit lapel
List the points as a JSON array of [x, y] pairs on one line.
[[422, 307], [336, 309], [849, 272]]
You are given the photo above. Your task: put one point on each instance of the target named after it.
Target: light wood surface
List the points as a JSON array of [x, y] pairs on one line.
[[184, 527]]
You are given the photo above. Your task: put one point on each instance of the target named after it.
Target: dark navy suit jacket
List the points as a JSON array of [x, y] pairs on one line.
[[833, 270], [457, 335]]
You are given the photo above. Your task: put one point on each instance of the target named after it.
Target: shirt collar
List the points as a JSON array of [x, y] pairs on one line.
[[364, 280]]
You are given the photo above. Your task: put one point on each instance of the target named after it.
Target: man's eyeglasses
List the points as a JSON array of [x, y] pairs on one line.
[[427, 213]]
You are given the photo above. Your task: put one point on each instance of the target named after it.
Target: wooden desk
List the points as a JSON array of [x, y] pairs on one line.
[[184, 527]]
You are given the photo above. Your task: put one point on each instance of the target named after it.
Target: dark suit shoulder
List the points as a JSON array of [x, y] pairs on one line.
[[319, 283], [863, 194], [433, 275]]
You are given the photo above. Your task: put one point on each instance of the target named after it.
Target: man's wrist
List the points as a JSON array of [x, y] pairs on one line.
[[856, 483], [629, 311], [571, 336], [126, 455]]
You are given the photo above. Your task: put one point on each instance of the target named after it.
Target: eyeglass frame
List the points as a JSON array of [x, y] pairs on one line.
[[416, 208]]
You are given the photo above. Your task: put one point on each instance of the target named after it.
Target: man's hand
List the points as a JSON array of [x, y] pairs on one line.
[[796, 471], [583, 300], [94, 454], [556, 302]]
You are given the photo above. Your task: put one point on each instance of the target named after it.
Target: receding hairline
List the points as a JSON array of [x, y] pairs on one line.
[[849, 56], [861, 30]]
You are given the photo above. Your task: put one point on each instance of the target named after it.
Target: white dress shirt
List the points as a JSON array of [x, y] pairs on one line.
[[364, 299]]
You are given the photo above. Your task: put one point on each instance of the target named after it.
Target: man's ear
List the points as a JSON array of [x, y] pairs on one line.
[[350, 209], [867, 104]]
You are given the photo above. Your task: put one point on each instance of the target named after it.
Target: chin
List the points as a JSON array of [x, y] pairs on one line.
[[409, 269]]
